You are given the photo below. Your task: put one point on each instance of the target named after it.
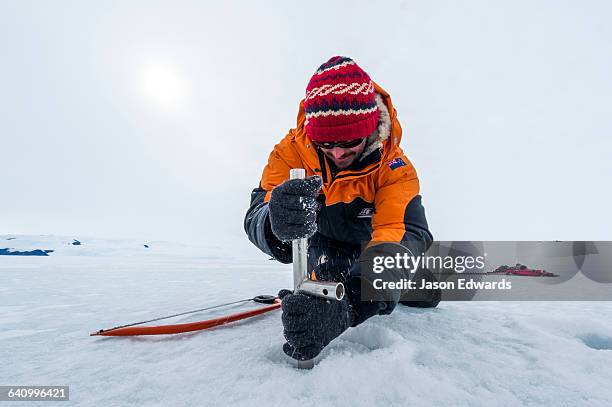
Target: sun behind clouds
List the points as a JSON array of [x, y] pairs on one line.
[[163, 87]]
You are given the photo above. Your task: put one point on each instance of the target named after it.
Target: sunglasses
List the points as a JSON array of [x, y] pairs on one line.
[[342, 144]]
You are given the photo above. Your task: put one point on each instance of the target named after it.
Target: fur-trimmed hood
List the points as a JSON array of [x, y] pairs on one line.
[[297, 151], [382, 132]]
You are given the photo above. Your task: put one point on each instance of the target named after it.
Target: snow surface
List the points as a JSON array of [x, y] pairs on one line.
[[460, 354]]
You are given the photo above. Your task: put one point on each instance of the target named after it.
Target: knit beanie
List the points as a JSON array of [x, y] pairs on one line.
[[339, 102]]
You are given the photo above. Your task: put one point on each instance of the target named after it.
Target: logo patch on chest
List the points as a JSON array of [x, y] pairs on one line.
[[365, 213], [396, 163]]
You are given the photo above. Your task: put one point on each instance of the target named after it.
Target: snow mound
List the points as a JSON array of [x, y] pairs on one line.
[[460, 354]]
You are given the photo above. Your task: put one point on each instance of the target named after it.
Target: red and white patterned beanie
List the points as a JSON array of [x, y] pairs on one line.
[[339, 103]]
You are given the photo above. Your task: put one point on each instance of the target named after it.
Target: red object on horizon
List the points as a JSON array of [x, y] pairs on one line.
[[522, 270]]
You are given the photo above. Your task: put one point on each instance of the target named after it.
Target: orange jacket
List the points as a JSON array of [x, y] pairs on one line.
[[374, 200]]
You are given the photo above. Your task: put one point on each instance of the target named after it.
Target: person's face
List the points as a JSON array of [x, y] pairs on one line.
[[343, 154]]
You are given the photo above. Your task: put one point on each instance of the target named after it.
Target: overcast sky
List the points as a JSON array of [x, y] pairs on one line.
[[154, 119]]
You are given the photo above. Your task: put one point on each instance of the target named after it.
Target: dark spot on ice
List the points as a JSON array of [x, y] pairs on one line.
[[37, 252], [11, 238], [147, 246], [76, 242], [596, 341]]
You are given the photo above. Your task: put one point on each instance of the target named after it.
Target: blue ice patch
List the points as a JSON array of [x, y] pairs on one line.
[[396, 163]]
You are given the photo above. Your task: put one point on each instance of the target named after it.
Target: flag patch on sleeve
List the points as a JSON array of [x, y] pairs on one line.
[[396, 163]]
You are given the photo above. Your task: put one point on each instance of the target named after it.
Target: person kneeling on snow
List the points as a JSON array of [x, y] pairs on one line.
[[360, 189]]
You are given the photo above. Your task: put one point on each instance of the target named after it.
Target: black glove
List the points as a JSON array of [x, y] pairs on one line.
[[311, 323], [422, 298], [293, 208]]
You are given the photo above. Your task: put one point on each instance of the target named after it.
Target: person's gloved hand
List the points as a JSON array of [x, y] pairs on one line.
[[311, 323], [293, 208]]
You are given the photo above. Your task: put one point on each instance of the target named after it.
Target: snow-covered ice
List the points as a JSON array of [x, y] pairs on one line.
[[460, 354]]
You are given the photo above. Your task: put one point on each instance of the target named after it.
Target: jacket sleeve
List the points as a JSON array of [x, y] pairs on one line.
[[399, 216], [399, 226], [257, 219], [258, 229]]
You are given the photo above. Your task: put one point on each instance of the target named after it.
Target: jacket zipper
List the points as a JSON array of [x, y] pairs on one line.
[[323, 165]]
